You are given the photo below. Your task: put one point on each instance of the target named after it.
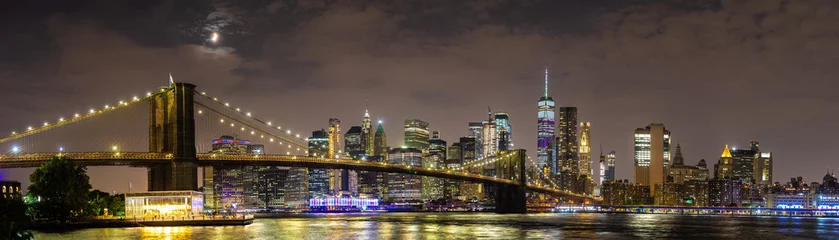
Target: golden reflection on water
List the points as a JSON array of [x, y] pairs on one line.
[[166, 233]]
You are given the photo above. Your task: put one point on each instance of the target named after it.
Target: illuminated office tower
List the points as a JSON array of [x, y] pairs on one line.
[[585, 148], [489, 144], [724, 169], [335, 142], [504, 139], [318, 178], [416, 134], [610, 166], [380, 142], [545, 157], [336, 150], [567, 148], [652, 155], [468, 153], [405, 188], [763, 169], [502, 125], [434, 158], [451, 187], [476, 131], [367, 134], [585, 175], [602, 167]]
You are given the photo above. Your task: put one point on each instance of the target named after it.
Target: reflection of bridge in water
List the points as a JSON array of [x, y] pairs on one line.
[[173, 161]]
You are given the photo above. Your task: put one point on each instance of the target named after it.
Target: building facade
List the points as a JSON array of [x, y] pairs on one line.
[[318, 178], [652, 155], [434, 158], [504, 130], [416, 134], [405, 188]]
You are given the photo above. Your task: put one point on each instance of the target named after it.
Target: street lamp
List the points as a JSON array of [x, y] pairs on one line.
[[15, 149]]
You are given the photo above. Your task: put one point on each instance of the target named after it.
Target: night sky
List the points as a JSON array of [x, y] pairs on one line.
[[714, 72]]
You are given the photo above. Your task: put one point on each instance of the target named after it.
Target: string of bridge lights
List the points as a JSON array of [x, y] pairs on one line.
[[76, 117], [253, 132], [269, 124]]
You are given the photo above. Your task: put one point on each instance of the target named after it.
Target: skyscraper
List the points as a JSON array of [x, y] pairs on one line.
[[602, 167], [434, 158], [585, 148], [504, 130], [354, 142], [567, 148], [335, 142], [610, 166], [318, 177], [584, 180], [380, 142], [489, 144], [724, 169], [545, 132], [354, 148], [476, 131], [416, 134], [652, 155], [367, 134], [335, 151]]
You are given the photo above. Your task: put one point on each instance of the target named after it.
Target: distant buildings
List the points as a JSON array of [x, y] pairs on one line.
[[243, 187], [680, 173], [652, 155]]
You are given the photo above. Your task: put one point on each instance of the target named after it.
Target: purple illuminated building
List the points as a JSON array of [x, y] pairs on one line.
[[343, 203], [545, 131]]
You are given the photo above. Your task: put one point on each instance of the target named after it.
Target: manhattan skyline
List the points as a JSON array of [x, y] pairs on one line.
[[710, 91]]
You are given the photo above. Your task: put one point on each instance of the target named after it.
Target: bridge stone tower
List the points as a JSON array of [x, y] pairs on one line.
[[511, 166], [172, 130]]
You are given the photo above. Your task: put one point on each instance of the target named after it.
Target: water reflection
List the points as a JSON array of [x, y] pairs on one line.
[[484, 226]]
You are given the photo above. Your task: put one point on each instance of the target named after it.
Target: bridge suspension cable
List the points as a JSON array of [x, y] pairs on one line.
[[268, 124], [76, 117], [253, 129]]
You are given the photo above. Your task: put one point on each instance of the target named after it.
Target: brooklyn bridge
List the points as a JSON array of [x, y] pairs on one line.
[[179, 117]]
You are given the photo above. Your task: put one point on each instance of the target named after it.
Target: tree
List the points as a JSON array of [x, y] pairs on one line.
[[100, 201], [61, 188], [13, 219]]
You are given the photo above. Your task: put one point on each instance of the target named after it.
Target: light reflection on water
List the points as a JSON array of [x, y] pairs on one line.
[[484, 226]]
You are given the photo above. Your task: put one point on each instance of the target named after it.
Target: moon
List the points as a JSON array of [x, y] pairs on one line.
[[214, 38]]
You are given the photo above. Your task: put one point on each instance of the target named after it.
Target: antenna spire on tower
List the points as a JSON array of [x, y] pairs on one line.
[[546, 81], [171, 80]]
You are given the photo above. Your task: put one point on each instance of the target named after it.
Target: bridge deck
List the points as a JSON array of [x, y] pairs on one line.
[[142, 159]]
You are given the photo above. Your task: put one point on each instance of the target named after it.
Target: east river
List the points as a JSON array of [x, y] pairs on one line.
[[486, 226]]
